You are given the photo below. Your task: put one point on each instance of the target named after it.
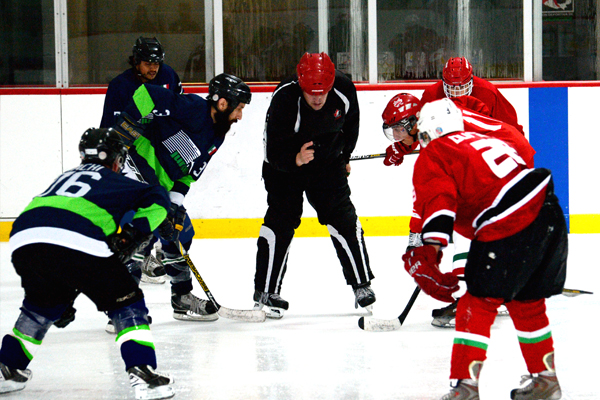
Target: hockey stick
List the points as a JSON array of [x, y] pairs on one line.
[[241, 315], [385, 325], [378, 155], [574, 292]]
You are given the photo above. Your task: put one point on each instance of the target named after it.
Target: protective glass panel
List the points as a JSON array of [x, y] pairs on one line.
[[416, 38], [264, 40], [27, 43], [347, 37], [102, 34], [569, 40]]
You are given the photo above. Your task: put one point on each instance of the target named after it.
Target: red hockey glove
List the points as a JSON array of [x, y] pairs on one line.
[[394, 154], [423, 264]]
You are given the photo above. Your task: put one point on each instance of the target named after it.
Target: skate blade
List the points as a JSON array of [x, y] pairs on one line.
[[443, 323], [192, 316], [271, 312], [157, 280], [143, 392]]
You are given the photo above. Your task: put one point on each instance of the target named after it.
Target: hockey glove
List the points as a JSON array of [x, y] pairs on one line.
[[172, 225], [128, 128], [67, 317], [423, 264], [127, 242], [394, 154]]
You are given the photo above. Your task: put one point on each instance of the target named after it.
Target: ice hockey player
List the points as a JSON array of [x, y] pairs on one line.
[[147, 66], [66, 242], [401, 113], [482, 188], [173, 151], [458, 80], [311, 129]]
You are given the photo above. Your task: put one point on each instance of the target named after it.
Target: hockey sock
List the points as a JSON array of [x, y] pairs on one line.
[[474, 318], [19, 348], [133, 335], [533, 331]]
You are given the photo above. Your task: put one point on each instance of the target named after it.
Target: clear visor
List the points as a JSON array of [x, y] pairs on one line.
[[401, 130], [458, 90]]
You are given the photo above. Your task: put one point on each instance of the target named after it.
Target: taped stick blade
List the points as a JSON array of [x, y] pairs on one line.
[[379, 325], [243, 315]]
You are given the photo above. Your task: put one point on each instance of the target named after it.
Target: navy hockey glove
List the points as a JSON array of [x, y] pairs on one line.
[[172, 225], [127, 242], [394, 154], [423, 264], [128, 128]]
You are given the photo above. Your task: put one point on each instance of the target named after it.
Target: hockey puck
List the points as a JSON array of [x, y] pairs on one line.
[[361, 323]]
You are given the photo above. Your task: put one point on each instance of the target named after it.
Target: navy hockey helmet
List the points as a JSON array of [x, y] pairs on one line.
[[149, 50], [102, 146], [229, 87]]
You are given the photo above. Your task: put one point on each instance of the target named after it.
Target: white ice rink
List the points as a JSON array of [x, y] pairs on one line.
[[317, 350]]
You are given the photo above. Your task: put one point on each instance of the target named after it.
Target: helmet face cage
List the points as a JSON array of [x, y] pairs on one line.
[[404, 126], [458, 90], [316, 73], [438, 119], [102, 146], [230, 88], [149, 50], [457, 77]]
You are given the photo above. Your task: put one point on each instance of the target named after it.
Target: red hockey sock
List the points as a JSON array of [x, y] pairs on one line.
[[533, 331], [474, 318]]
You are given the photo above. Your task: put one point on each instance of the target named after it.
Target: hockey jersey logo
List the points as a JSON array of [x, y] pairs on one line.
[[182, 150], [337, 114]]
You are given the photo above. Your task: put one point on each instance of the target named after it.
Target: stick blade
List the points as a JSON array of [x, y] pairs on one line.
[[574, 292], [243, 315], [379, 325]]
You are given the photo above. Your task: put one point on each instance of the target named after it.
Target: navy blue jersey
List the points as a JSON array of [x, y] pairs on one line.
[[84, 205], [179, 142], [121, 88]]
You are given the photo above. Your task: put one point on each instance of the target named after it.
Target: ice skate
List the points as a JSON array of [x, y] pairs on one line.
[[465, 389], [153, 271], [188, 307], [12, 379], [364, 296], [542, 386], [275, 304], [149, 384], [444, 317]]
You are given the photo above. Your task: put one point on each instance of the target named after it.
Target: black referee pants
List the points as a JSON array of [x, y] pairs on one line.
[[327, 191]]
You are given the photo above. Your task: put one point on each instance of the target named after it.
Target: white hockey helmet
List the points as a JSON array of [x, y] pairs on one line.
[[437, 119]]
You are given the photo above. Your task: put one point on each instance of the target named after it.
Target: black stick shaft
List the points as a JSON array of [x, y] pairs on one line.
[[412, 300]]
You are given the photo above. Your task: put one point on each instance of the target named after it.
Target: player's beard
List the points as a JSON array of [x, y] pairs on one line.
[[222, 124]]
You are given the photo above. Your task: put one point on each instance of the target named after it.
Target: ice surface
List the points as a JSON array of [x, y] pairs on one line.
[[317, 350]]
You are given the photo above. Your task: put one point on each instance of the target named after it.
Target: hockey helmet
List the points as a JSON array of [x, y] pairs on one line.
[[439, 118], [230, 88], [102, 146], [316, 73], [457, 77], [401, 112], [149, 50]]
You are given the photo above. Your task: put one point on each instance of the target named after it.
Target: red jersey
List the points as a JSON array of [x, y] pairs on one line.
[[499, 107], [476, 185], [491, 127]]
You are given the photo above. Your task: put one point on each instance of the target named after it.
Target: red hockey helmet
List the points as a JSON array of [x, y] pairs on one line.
[[316, 73], [401, 112], [458, 77]]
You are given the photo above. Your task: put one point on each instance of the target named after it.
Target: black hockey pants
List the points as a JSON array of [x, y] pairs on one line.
[[328, 193]]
